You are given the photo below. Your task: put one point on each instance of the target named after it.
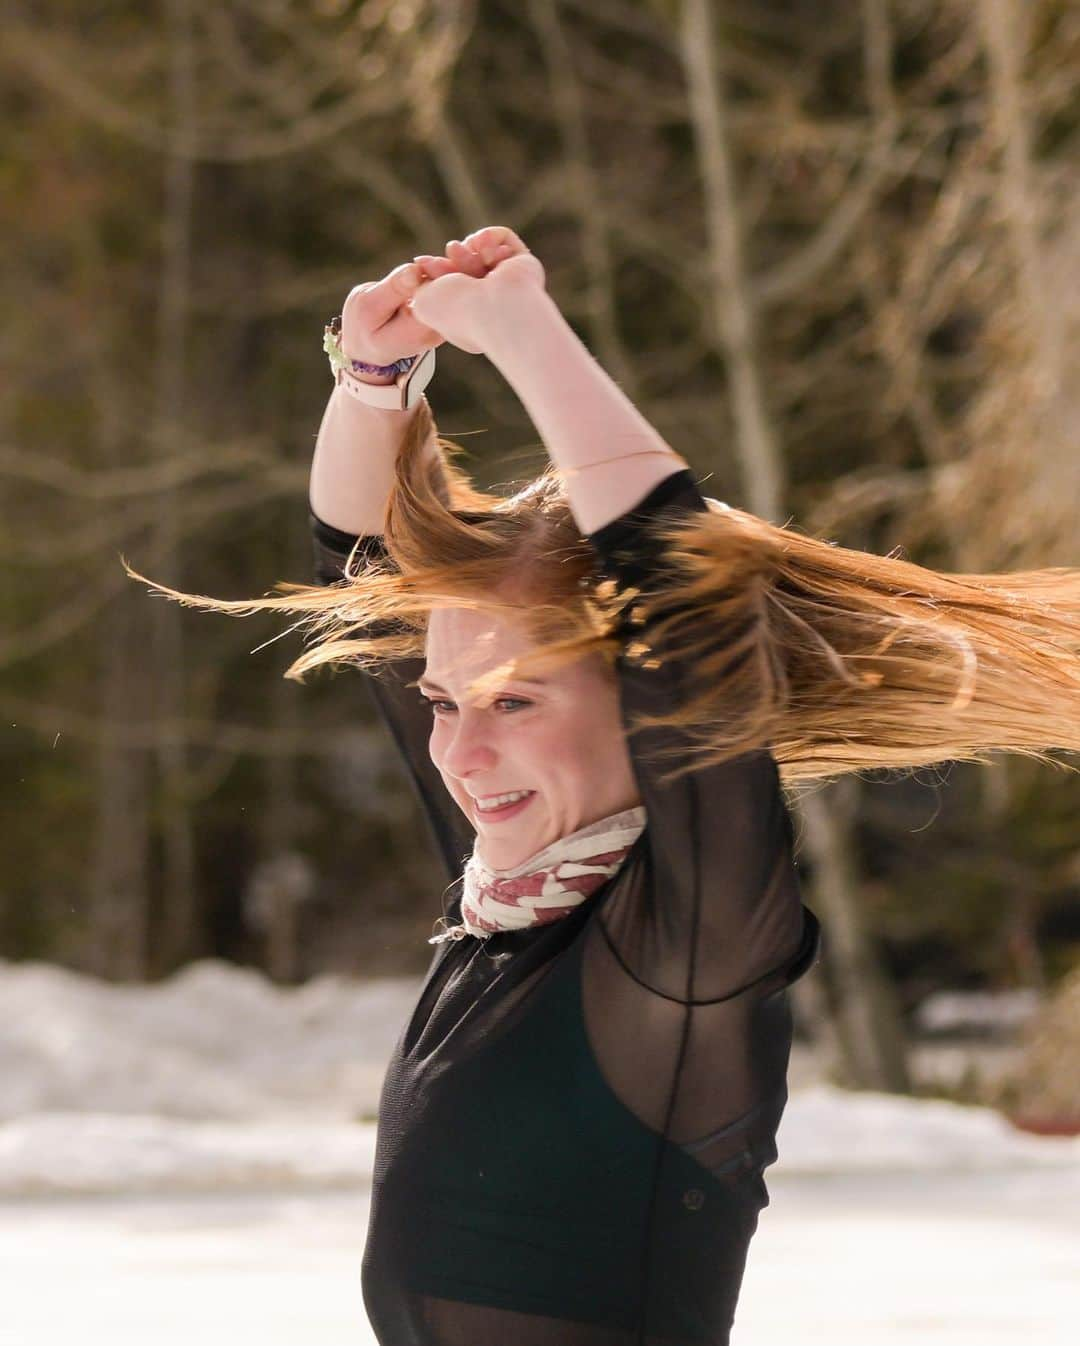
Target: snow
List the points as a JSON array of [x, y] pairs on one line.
[[218, 1080], [213, 1041], [853, 1260], [827, 1130], [56, 1152], [206, 1144], [976, 1011]]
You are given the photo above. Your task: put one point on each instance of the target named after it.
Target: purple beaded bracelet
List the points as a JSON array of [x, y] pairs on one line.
[[398, 367]]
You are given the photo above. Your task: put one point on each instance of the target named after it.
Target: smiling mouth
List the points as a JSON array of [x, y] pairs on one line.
[[506, 810]]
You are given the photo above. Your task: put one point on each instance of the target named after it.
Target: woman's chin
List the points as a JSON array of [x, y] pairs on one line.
[[507, 852]]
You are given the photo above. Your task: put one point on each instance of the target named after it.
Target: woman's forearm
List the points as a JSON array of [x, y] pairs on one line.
[[581, 414], [352, 473]]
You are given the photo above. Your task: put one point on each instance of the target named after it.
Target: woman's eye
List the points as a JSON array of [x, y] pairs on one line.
[[435, 705]]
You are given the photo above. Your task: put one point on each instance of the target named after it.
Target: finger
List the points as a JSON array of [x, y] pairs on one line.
[[465, 259], [407, 334], [398, 333], [492, 256], [434, 267], [487, 242], [431, 268], [379, 302]]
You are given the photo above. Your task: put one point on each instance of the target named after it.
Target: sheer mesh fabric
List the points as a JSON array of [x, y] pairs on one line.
[[576, 1119]]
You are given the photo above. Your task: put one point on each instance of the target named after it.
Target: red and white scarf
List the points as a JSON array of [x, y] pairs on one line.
[[548, 885]]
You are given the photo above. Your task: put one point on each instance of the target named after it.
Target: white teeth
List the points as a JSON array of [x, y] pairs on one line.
[[500, 801]]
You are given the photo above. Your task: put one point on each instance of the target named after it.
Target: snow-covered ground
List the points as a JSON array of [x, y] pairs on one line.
[[871, 1259], [191, 1159]]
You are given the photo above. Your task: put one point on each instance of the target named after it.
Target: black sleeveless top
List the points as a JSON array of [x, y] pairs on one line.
[[575, 1121]]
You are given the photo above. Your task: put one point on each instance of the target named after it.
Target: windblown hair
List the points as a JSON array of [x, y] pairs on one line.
[[836, 659]]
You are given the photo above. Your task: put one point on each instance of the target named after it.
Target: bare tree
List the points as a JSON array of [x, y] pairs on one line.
[[870, 1033], [831, 230], [179, 886]]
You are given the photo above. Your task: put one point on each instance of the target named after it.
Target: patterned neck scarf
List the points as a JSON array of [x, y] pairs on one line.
[[548, 885]]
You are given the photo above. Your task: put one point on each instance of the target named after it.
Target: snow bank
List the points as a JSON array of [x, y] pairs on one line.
[[213, 1041], [828, 1130], [977, 1011], [95, 1153], [218, 1080]]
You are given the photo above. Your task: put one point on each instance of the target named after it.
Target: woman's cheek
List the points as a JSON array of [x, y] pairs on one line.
[[548, 737]]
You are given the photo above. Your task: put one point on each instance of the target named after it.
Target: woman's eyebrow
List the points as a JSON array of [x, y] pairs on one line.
[[425, 682]]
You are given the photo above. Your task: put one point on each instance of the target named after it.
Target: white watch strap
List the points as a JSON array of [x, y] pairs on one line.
[[403, 393]]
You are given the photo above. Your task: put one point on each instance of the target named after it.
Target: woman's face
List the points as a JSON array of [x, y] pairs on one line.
[[561, 738]]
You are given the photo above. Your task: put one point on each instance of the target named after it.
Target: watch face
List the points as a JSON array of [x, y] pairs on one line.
[[418, 377]]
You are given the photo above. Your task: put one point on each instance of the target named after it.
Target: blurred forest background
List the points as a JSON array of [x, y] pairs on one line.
[[829, 248]]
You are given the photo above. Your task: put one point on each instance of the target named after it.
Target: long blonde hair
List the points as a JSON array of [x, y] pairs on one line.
[[838, 660]]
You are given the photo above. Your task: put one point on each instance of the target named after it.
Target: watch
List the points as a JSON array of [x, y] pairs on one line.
[[403, 393]]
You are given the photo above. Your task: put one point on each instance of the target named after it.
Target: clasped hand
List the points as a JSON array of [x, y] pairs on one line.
[[465, 297]]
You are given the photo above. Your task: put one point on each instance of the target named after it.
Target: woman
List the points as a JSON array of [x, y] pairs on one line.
[[576, 1120]]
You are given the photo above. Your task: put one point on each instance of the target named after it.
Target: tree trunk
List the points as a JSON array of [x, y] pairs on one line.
[[869, 1034], [283, 879], [118, 934], [176, 937]]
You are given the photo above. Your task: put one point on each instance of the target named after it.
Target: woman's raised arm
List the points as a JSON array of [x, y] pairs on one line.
[[581, 414], [352, 473]]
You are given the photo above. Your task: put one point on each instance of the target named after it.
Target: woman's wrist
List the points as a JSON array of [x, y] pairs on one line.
[[536, 350], [509, 331], [359, 413]]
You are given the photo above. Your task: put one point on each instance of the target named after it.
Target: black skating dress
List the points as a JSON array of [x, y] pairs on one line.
[[575, 1121]]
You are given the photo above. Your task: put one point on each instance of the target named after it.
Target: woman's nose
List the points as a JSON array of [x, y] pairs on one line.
[[469, 748]]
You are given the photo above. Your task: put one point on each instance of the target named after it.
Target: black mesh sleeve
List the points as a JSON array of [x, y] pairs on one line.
[[720, 906]]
